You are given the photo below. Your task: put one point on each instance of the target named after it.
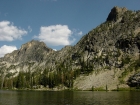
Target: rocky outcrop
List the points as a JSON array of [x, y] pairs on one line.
[[134, 81], [116, 13]]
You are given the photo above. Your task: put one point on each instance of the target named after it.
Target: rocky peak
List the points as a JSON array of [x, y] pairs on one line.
[[31, 51], [116, 13], [32, 43]]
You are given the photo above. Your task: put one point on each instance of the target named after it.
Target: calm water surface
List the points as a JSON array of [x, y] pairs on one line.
[[68, 98]]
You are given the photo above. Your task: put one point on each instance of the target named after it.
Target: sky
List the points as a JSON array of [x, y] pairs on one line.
[[55, 22]]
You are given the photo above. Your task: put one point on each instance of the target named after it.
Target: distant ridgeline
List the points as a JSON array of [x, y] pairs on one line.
[[107, 58]]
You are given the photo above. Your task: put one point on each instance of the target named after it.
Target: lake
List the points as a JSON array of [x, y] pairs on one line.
[[8, 97]]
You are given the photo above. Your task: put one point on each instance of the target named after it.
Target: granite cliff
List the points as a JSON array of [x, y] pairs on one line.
[[105, 58]]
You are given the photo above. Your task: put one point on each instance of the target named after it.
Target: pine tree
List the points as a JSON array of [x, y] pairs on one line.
[[20, 80]]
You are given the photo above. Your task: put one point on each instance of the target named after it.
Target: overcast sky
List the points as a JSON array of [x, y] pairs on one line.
[[55, 22]]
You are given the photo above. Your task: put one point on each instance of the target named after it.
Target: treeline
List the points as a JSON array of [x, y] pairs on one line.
[[46, 79], [62, 75]]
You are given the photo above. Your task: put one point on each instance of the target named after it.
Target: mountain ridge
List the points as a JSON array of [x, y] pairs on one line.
[[105, 57]]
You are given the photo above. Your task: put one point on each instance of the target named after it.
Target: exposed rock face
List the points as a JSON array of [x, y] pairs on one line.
[[116, 13], [106, 56], [134, 81]]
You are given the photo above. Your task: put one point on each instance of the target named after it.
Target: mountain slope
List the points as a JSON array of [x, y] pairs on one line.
[[114, 45]]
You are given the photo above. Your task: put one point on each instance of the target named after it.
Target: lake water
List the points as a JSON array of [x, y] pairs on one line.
[[8, 97]]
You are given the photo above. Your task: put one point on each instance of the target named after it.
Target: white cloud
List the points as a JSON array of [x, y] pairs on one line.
[[29, 28], [54, 49], [80, 33], [77, 32], [9, 32], [56, 35], [6, 49]]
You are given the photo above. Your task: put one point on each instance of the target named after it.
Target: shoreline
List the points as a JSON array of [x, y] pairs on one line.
[[93, 90]]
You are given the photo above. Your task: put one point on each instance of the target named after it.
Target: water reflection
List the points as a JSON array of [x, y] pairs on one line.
[[45, 98], [7, 97], [68, 98]]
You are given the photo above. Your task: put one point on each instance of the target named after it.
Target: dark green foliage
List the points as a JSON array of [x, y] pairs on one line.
[[20, 80], [136, 64], [125, 60], [86, 67], [44, 78]]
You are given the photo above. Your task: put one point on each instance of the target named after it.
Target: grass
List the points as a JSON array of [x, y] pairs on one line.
[[127, 89], [97, 89]]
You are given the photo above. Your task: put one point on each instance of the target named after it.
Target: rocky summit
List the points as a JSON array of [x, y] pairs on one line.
[[106, 58]]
